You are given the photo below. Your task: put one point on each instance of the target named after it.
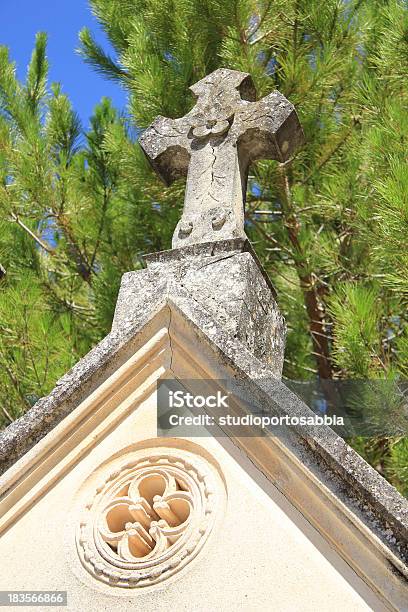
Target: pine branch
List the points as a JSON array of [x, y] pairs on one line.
[[81, 261], [27, 345], [7, 414], [330, 153], [37, 72], [298, 365], [38, 240], [14, 380], [94, 55], [101, 226], [261, 20], [270, 238], [312, 301], [261, 37]]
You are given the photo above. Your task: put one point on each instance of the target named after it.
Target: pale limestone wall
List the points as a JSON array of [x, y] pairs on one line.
[[262, 554]]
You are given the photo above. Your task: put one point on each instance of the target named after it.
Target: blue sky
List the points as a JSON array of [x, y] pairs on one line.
[[20, 20]]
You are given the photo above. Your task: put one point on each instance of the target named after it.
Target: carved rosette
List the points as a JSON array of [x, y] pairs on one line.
[[149, 518]]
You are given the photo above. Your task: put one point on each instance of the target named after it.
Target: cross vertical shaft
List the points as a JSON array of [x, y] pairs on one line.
[[213, 145]]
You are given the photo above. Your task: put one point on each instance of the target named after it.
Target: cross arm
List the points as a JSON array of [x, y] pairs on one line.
[[166, 146], [268, 129]]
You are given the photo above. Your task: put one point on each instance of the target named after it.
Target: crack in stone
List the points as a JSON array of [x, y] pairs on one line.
[[213, 261], [204, 188], [213, 153]]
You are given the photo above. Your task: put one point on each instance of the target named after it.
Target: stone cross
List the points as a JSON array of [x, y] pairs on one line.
[[213, 145]]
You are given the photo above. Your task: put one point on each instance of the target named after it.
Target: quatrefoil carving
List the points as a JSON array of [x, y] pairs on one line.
[[149, 517], [211, 128]]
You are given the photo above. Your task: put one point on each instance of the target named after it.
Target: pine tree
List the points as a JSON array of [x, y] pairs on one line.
[[71, 225]]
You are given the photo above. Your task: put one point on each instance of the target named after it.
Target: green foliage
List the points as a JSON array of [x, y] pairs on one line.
[[330, 225], [396, 466], [75, 217], [357, 334], [35, 346]]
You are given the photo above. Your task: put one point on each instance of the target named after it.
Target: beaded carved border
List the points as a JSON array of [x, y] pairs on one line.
[[149, 518]]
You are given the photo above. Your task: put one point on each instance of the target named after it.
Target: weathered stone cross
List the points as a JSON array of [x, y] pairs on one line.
[[213, 145]]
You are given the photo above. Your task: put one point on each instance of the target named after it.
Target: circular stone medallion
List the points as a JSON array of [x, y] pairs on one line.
[[149, 517]]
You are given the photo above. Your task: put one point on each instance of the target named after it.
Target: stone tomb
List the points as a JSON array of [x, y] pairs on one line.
[[95, 503]]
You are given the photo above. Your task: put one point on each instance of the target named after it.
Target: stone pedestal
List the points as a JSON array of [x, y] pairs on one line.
[[223, 277]]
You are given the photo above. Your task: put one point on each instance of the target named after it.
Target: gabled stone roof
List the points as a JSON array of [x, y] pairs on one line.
[[217, 295]]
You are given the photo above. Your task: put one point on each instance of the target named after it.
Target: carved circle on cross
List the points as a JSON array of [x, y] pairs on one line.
[[212, 127]]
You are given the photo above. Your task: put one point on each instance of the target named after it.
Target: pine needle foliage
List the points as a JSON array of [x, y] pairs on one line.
[[72, 223]]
